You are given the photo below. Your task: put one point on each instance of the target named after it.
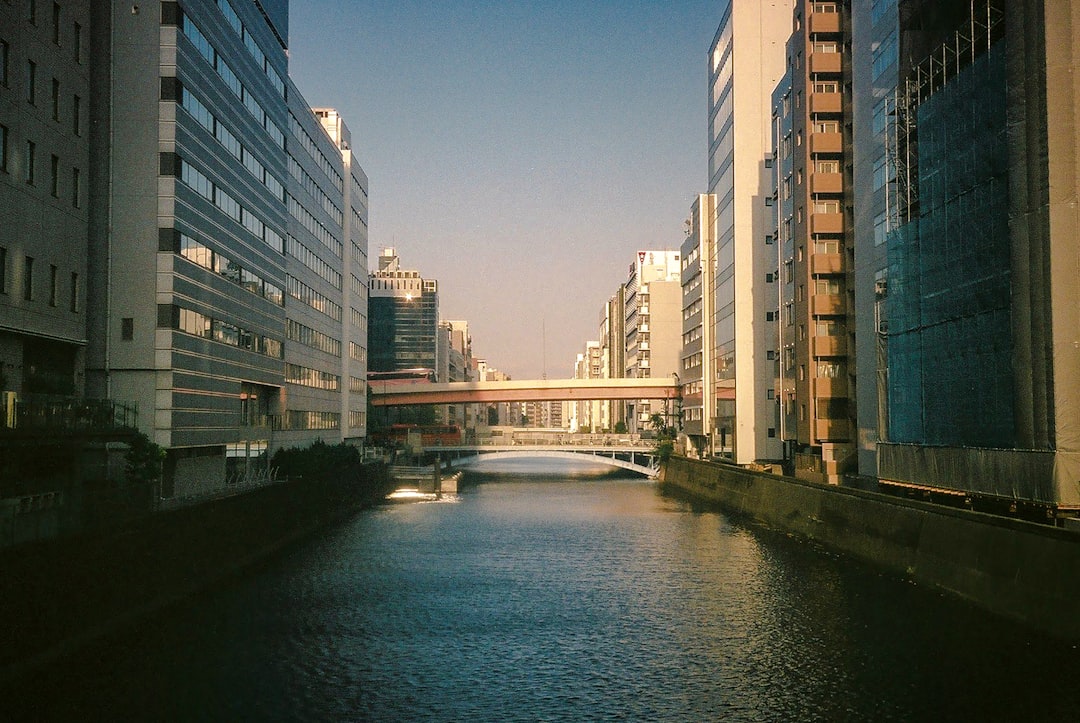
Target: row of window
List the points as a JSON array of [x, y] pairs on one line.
[[357, 352], [203, 46], [207, 258], [311, 260], [198, 182], [358, 318], [206, 327], [304, 293], [314, 226], [309, 145], [57, 25], [28, 287], [305, 181], [30, 162], [31, 89], [357, 385], [314, 378], [226, 138], [295, 331], [252, 45], [297, 419]]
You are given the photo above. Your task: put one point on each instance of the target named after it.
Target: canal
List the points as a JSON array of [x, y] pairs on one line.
[[565, 596]]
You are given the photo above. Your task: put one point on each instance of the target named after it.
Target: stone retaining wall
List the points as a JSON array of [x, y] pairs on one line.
[[1021, 570]]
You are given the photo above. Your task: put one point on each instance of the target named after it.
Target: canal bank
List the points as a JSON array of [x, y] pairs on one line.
[[1020, 570], [60, 595]]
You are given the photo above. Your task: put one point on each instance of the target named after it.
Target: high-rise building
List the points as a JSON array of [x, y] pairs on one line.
[[219, 231], [587, 415], [652, 327], [981, 298], [45, 98], [613, 345], [695, 367], [404, 318], [746, 60], [815, 324]]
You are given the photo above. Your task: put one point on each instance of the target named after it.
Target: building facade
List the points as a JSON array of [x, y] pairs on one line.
[[652, 327], [45, 97], [403, 317], [746, 60], [695, 364], [218, 239], [982, 297], [815, 326]]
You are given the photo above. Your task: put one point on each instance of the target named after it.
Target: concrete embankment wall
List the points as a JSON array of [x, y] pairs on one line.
[[1021, 570], [59, 595]]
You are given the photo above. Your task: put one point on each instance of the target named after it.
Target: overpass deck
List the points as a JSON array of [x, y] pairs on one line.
[[397, 393]]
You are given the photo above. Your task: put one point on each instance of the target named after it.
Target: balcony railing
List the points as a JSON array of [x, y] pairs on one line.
[[71, 415]]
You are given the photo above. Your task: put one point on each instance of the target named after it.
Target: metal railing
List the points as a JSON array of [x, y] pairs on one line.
[[67, 414]]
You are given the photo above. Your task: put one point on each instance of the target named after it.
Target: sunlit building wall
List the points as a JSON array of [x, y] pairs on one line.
[[695, 364], [746, 60], [652, 326], [228, 330]]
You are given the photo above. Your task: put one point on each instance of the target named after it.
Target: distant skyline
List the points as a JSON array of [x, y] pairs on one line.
[[519, 152]]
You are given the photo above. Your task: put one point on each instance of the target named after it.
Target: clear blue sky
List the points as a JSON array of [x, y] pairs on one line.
[[519, 152]]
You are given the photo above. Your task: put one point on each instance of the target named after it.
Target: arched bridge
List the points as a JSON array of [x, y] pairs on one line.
[[634, 455]]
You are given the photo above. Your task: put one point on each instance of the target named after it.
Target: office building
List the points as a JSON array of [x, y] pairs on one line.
[[746, 60], [695, 363], [45, 98], [218, 235], [403, 318]]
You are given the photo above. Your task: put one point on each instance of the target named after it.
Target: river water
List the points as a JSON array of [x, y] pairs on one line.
[[566, 596]]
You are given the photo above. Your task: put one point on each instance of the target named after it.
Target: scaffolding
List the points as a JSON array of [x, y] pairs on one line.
[[948, 305], [984, 27]]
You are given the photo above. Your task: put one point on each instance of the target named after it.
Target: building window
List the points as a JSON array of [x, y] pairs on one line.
[[74, 292], [52, 285], [78, 42], [76, 115], [30, 161], [4, 63], [28, 278], [31, 11], [55, 99], [56, 23], [772, 432], [127, 328], [3, 270], [54, 176], [76, 187], [31, 77], [3, 148]]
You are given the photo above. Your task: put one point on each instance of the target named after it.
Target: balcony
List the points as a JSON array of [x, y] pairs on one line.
[[831, 143], [826, 264], [826, 305], [830, 387], [826, 183], [824, 23], [837, 430], [826, 63], [825, 103], [827, 223], [829, 346]]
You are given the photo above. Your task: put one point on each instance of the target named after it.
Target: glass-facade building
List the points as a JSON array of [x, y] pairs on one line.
[[219, 243]]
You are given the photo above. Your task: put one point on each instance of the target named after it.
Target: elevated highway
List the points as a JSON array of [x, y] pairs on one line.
[[398, 393]]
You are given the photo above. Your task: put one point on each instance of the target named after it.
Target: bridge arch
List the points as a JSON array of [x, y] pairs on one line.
[[640, 462]]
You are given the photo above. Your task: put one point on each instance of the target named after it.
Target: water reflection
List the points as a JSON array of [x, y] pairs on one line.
[[566, 598]]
